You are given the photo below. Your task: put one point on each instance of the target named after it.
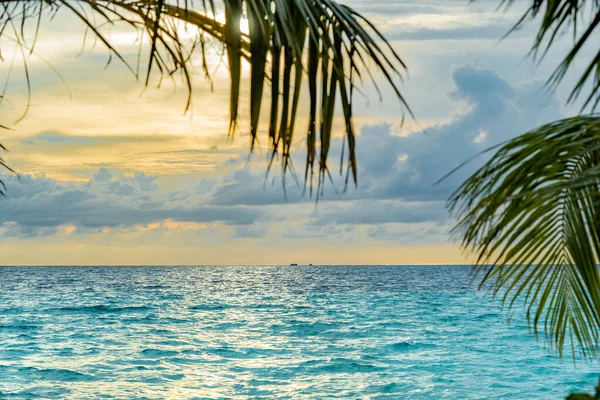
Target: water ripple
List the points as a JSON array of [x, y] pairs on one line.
[[267, 332]]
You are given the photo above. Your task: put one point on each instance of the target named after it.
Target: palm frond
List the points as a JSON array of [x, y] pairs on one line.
[[533, 212], [560, 17], [298, 38], [4, 166]]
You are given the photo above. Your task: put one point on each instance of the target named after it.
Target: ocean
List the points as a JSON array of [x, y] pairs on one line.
[[272, 332]]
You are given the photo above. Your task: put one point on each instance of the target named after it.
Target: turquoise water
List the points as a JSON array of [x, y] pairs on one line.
[[267, 332]]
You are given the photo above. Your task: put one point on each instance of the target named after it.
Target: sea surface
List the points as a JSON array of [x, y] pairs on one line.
[[268, 333]]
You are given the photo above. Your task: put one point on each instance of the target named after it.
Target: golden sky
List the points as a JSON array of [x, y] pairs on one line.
[[115, 173]]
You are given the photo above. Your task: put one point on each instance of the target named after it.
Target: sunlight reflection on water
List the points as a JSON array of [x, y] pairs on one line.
[[266, 332]]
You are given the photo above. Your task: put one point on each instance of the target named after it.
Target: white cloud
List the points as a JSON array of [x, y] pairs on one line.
[[396, 193]]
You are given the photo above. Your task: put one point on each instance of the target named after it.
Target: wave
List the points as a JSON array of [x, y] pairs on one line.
[[405, 345], [101, 308], [55, 374], [20, 327], [208, 307], [339, 365], [159, 353]]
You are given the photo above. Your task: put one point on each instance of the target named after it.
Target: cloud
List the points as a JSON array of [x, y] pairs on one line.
[[59, 139], [309, 231], [109, 200], [249, 231], [440, 20], [251, 186], [410, 233], [491, 31], [398, 171], [406, 166], [397, 198], [370, 212]]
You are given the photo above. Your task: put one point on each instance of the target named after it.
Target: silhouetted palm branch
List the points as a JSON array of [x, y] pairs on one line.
[[327, 43], [533, 211], [579, 18]]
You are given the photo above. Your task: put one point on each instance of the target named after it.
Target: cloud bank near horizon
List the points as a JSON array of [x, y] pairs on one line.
[[125, 169], [396, 201]]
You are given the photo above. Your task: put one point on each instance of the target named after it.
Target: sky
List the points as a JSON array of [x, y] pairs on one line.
[[113, 173]]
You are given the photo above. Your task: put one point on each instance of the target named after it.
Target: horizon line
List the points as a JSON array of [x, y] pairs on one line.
[[244, 265]]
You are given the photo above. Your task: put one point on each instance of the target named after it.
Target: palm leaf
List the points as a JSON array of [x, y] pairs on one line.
[[298, 37], [560, 17], [533, 212], [5, 166]]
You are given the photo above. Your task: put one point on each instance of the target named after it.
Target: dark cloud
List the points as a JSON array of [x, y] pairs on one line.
[[397, 176], [406, 166], [398, 172], [35, 203], [250, 186], [373, 212], [410, 234]]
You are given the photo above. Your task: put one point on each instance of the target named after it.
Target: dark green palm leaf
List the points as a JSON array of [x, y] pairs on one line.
[[533, 211], [298, 38], [560, 17]]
